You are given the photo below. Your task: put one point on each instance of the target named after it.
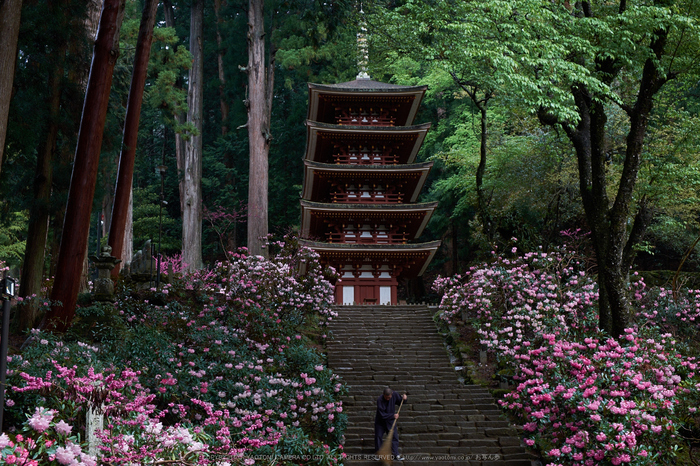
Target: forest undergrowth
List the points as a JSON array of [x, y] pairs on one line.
[[218, 367]]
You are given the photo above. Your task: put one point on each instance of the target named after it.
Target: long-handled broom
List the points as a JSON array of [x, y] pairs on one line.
[[384, 452]]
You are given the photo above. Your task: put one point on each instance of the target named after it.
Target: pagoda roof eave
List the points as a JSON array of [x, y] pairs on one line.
[[379, 129], [368, 207], [359, 209], [321, 245], [369, 168], [313, 128], [360, 87], [367, 85], [311, 167], [385, 250]]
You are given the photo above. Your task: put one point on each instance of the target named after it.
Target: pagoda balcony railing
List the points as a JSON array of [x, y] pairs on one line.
[[371, 158], [367, 237], [360, 117], [365, 197]]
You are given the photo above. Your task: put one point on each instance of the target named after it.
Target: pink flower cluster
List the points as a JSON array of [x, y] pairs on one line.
[[511, 301], [41, 420], [678, 313], [601, 400], [47, 443], [221, 377], [247, 280], [173, 264], [583, 398]]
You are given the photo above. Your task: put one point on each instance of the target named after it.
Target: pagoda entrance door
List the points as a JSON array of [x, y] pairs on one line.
[[365, 290], [368, 294]]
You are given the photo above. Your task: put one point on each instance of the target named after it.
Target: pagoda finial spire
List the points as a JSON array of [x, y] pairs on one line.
[[362, 48]]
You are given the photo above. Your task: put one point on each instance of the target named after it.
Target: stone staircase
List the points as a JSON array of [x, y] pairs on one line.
[[443, 422]]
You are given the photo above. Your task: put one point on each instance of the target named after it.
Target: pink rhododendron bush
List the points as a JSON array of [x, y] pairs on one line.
[[215, 368], [582, 397]]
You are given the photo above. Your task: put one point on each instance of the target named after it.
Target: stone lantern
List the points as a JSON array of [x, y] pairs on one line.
[[103, 288]]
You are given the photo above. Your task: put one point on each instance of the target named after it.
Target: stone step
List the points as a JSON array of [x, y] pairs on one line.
[[444, 422], [432, 459]]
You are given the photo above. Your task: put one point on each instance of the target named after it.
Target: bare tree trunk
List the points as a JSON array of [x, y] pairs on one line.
[[77, 75], [92, 22], [223, 103], [10, 12], [168, 13], [192, 173], [55, 240], [612, 236], [258, 129], [105, 216], [481, 103], [33, 268], [125, 173], [481, 201], [84, 272], [128, 245], [76, 226]]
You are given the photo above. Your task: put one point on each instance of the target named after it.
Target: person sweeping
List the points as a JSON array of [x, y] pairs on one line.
[[385, 420]]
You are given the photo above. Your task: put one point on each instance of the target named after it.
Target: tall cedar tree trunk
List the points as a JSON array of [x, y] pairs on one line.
[[38, 229], [10, 12], [180, 118], [128, 243], [260, 84], [76, 226], [192, 169], [105, 210], [77, 77], [125, 173], [612, 241], [84, 285], [223, 103], [231, 243]]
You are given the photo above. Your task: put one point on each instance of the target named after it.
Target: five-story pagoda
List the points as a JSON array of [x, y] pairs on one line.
[[361, 183]]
